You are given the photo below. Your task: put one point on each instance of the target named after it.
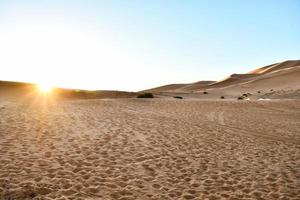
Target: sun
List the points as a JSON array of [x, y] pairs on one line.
[[45, 88]]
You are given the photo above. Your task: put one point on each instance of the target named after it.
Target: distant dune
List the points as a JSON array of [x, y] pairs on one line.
[[276, 67], [279, 80], [271, 80], [164, 88], [15, 89], [181, 87]]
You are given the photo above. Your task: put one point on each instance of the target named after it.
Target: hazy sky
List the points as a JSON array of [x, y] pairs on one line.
[[138, 44]]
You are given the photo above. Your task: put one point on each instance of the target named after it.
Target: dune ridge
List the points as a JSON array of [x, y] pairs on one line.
[[279, 76]]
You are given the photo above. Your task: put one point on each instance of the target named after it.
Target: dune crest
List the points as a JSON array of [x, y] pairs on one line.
[[269, 80]]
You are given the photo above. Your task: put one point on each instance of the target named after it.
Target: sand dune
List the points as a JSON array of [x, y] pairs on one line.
[[196, 86], [149, 149], [276, 78], [288, 78], [270, 84], [166, 88], [275, 67], [231, 80], [264, 75], [180, 87]]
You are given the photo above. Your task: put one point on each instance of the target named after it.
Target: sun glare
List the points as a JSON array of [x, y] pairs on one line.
[[45, 88]]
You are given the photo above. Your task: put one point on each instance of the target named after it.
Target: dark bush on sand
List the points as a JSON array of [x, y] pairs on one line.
[[178, 97], [222, 97], [145, 95]]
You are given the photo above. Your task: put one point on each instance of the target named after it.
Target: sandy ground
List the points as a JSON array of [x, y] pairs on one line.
[[150, 149]]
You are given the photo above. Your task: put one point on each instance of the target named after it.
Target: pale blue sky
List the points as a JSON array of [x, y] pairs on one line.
[[137, 44]]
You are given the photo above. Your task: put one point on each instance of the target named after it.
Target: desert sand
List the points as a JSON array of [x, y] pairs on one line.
[[149, 149]]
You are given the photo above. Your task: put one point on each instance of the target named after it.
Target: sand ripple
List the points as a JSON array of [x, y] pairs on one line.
[[150, 149]]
